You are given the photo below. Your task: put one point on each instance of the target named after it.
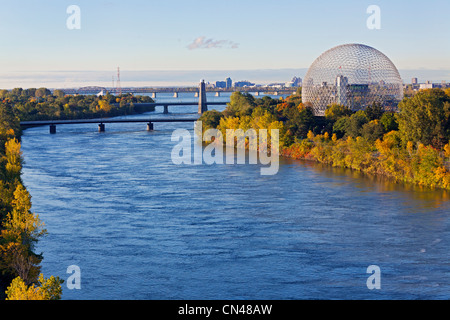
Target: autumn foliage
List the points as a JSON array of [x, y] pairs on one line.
[[20, 229], [409, 146]]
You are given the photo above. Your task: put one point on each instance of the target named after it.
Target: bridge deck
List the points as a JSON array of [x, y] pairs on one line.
[[54, 122], [177, 103]]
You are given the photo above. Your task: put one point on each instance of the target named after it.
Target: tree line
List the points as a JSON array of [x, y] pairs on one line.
[[42, 104], [411, 145]]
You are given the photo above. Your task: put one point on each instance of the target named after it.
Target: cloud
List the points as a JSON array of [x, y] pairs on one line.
[[203, 43]]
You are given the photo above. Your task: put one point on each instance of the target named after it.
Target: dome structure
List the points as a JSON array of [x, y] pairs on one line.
[[354, 75]]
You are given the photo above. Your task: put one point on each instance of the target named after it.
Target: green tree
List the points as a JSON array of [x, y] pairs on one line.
[[336, 111], [211, 119], [240, 104], [372, 130], [389, 121], [356, 122], [374, 111], [425, 118]]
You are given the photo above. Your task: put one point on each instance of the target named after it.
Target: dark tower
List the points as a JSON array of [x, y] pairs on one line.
[[202, 107]]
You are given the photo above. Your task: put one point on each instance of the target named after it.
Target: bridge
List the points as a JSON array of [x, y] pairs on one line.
[[177, 90], [202, 107], [167, 104], [101, 122]]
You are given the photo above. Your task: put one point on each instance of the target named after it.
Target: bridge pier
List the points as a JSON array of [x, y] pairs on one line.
[[52, 129], [150, 126], [202, 106], [101, 127], [175, 94], [153, 95], [166, 109], [217, 94]]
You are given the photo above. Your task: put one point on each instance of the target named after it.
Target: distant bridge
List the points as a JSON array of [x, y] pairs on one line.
[[177, 90], [167, 104]]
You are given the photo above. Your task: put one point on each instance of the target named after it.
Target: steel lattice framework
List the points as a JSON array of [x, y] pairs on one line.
[[353, 75]]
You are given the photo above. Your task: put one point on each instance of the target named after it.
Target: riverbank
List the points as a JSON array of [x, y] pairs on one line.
[[410, 146], [423, 166]]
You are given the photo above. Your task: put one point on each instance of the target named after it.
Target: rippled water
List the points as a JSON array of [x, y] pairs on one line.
[[140, 227]]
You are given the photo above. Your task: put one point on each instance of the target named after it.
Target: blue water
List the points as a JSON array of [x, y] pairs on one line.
[[141, 227]]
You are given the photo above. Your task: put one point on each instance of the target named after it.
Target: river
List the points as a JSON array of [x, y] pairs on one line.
[[140, 227]]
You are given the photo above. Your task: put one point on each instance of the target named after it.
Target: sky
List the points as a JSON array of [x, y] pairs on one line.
[[180, 41]]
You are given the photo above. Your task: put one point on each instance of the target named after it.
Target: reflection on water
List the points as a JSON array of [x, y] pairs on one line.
[[429, 197]]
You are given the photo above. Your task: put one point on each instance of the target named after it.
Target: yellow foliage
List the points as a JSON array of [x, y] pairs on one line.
[[334, 137], [104, 105], [310, 135], [18, 290], [13, 157], [49, 289], [447, 149]]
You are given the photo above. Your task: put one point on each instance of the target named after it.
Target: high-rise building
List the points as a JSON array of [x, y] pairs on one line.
[[341, 90], [221, 84], [229, 83], [414, 81]]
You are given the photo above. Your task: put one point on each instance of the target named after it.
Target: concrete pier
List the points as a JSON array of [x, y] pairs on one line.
[[166, 109], [52, 129], [202, 106], [101, 127], [149, 126]]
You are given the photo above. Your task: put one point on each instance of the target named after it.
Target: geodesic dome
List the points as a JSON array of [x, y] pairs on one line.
[[354, 75]]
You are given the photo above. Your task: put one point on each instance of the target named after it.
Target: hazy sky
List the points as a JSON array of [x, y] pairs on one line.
[[145, 35]]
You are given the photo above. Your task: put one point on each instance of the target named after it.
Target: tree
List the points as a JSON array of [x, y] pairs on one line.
[[240, 104], [13, 159], [336, 111], [210, 119], [374, 111], [389, 121], [299, 120], [372, 130], [48, 289], [58, 93], [425, 118], [22, 229], [356, 122], [341, 126]]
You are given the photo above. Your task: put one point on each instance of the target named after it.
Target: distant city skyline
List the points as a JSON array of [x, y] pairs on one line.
[[165, 78], [160, 42]]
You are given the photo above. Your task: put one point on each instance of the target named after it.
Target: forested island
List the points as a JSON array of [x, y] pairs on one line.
[[20, 229], [411, 145]]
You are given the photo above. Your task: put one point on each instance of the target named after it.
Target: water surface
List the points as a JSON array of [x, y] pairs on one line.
[[140, 227]]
